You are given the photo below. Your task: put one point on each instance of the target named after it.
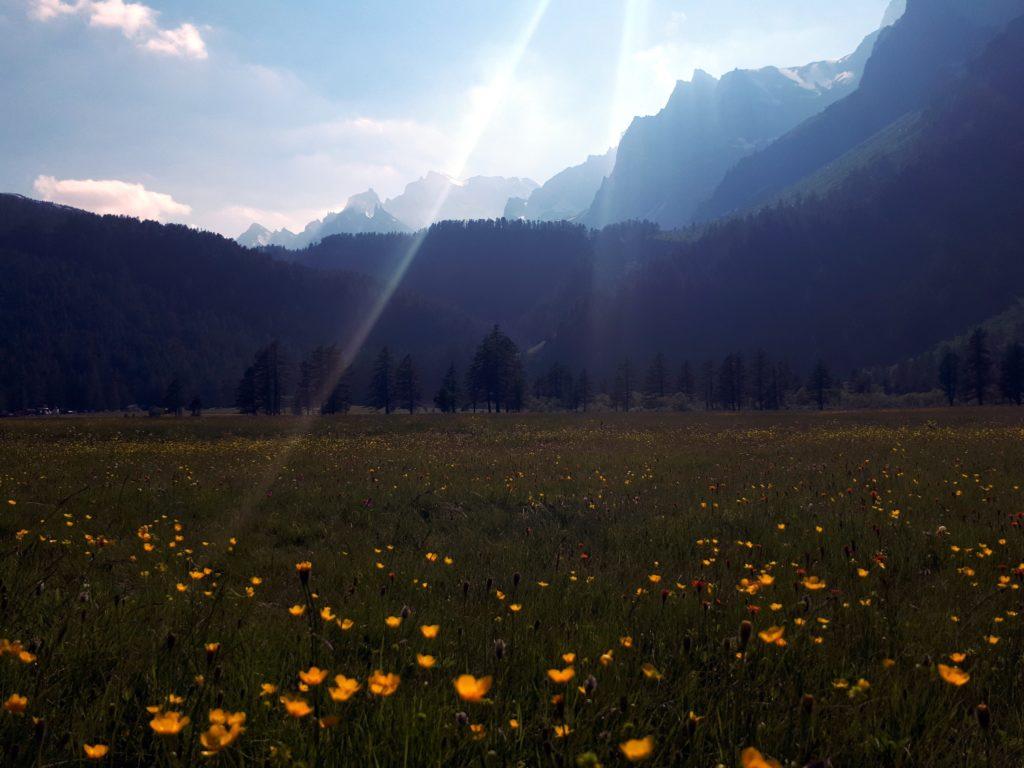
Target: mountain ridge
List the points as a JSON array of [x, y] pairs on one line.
[[567, 194], [432, 198], [913, 60], [669, 163]]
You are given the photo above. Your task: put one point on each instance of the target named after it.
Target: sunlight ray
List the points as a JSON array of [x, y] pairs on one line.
[[475, 125], [634, 22]]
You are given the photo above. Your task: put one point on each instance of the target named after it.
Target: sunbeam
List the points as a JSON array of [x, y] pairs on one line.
[[478, 119], [634, 22]]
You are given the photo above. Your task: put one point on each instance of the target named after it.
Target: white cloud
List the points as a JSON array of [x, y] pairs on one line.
[[131, 18], [44, 10], [110, 196], [184, 41], [136, 21]]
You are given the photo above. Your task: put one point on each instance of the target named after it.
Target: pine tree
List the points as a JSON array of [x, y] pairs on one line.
[[245, 394], [382, 385], [820, 383], [407, 385], [263, 386], [732, 383], [949, 375], [339, 398], [172, 398], [447, 397], [496, 374]]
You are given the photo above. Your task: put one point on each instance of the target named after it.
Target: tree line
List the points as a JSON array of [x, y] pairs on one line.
[[978, 376], [495, 380], [321, 382]]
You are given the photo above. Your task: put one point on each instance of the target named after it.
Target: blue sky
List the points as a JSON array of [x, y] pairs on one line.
[[219, 113]]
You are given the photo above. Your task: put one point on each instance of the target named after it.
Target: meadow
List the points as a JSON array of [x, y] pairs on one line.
[[653, 589]]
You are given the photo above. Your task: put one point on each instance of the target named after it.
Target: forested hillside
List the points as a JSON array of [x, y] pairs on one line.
[[519, 274], [100, 312], [905, 252]]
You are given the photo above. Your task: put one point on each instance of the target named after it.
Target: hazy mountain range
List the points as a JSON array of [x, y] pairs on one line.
[[362, 213], [567, 194], [433, 198], [665, 169]]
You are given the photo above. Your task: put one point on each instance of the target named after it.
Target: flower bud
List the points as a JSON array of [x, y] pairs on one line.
[[807, 703], [746, 630], [984, 716]]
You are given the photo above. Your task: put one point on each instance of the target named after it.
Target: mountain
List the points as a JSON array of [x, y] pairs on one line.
[[437, 197], [565, 195], [433, 198], [914, 60], [894, 12], [362, 213], [256, 236], [671, 162], [899, 255], [102, 311]]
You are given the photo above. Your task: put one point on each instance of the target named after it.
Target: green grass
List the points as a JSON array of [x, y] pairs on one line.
[[591, 506]]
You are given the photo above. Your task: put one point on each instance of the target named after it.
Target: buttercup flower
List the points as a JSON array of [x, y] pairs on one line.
[[95, 751], [471, 688], [753, 759], [169, 723], [382, 684], [296, 706], [561, 676], [953, 675], [346, 688], [636, 750], [313, 676], [16, 704]]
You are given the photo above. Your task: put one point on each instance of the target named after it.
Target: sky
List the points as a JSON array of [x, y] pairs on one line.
[[218, 114]]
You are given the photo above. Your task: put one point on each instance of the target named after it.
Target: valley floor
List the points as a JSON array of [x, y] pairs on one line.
[[664, 589]]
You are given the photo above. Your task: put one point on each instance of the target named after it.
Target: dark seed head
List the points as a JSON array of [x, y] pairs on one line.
[[807, 703], [746, 629]]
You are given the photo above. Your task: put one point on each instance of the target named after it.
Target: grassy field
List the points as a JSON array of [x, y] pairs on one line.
[[670, 590]]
